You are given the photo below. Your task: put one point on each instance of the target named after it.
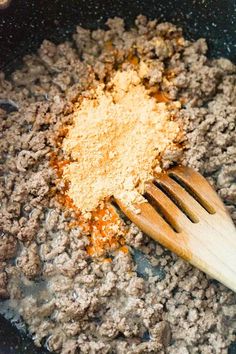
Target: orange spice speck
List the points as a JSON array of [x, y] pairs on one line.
[[183, 100], [161, 96], [180, 41], [133, 59], [124, 249]]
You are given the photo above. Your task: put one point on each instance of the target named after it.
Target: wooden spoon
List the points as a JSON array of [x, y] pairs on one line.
[[185, 215]]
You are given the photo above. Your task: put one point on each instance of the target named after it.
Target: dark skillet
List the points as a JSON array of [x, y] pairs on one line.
[[24, 24]]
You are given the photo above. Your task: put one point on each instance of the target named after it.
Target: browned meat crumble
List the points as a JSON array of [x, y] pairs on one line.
[[71, 302]]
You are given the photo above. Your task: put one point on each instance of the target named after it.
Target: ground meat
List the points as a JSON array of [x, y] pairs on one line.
[[7, 247], [3, 286], [29, 261], [70, 301]]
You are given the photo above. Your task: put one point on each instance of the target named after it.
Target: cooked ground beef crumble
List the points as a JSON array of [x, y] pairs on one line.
[[74, 303]]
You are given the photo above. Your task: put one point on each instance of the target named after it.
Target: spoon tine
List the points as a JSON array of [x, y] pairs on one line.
[[181, 197], [197, 186], [167, 207], [151, 223]]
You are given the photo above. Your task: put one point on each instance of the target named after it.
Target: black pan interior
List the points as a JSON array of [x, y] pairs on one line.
[[24, 24]]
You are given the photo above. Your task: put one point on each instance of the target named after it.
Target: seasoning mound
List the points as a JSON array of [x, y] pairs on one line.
[[117, 138]]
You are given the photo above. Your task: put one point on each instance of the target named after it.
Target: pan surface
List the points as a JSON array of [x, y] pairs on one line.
[[23, 25]]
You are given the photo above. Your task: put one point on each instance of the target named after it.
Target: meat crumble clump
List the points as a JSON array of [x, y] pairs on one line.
[[73, 302]]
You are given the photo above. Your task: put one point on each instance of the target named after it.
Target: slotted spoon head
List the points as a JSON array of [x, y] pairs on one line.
[[185, 215]]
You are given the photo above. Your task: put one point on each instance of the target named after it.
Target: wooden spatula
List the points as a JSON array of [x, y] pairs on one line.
[[185, 215]]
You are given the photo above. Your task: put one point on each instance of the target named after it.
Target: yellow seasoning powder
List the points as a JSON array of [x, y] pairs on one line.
[[118, 134]]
